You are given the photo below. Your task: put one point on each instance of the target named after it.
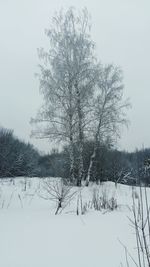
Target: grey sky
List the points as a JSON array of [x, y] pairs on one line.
[[121, 30]]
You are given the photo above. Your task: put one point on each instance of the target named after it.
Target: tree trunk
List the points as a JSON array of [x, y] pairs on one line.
[[93, 156], [71, 154], [80, 131], [58, 207], [71, 145]]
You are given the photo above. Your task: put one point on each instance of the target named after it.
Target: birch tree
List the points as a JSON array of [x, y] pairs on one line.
[[109, 109], [67, 77]]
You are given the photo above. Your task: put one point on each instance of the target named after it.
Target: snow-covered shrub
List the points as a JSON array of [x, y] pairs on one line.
[[112, 204], [58, 192], [96, 199], [83, 207], [102, 201]]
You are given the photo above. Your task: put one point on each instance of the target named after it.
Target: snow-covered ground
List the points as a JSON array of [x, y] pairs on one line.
[[32, 236]]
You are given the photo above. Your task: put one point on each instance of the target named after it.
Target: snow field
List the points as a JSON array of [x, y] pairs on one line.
[[32, 236]]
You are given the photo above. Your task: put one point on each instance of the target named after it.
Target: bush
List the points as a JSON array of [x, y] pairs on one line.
[[102, 201]]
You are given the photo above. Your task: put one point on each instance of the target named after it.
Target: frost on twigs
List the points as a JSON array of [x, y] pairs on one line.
[[102, 200], [59, 192]]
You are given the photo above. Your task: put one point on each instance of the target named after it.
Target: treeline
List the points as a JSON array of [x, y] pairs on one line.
[[16, 157], [109, 164]]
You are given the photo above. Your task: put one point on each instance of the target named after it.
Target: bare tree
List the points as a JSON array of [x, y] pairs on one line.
[[108, 113], [58, 192], [67, 77], [141, 224]]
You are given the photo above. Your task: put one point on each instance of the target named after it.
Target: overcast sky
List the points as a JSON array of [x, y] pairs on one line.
[[121, 30]]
